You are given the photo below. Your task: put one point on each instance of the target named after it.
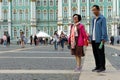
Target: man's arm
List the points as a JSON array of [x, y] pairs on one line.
[[104, 30]]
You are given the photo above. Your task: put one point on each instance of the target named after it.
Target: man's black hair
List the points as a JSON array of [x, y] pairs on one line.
[[97, 7]]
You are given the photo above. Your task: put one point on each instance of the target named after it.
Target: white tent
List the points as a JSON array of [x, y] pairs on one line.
[[42, 34]]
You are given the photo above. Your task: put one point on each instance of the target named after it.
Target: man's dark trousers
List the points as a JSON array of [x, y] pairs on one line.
[[99, 55]]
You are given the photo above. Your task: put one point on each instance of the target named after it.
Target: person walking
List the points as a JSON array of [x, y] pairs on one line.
[[55, 40], [4, 40], [76, 40], [62, 40], [99, 37]]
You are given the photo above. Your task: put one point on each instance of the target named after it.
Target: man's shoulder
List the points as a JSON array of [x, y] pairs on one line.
[[102, 16]]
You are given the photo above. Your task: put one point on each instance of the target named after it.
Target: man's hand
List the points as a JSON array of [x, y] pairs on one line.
[[103, 41]]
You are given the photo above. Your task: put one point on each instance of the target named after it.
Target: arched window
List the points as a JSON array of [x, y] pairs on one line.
[[56, 14], [74, 10], [109, 11], [5, 2], [65, 1], [14, 14], [15, 33], [101, 9], [51, 14], [20, 12], [65, 12], [26, 14], [51, 2], [45, 14], [45, 2], [74, 1], [38, 2], [5, 14], [56, 2], [38, 14], [83, 12]]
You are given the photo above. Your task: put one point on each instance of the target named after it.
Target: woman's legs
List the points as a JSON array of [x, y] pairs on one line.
[[78, 61]]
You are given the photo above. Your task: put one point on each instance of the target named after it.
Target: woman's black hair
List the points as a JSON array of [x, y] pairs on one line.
[[97, 7], [79, 17]]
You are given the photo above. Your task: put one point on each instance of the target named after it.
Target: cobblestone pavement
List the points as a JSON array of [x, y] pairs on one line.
[[113, 55], [36, 63]]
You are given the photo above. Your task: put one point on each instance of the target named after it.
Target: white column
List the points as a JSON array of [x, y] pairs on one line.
[[33, 17], [70, 13], [88, 16], [114, 7], [60, 16], [9, 17], [78, 3], [117, 8], [0, 10]]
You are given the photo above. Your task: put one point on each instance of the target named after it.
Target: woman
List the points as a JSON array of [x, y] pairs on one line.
[[22, 40], [55, 39], [62, 39], [4, 40], [76, 40]]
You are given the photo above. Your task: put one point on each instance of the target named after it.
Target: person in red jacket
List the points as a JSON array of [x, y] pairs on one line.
[[76, 40]]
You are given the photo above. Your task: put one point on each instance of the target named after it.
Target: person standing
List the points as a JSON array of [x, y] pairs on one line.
[[35, 40], [112, 40], [4, 40], [22, 40], [8, 40], [55, 40], [76, 40], [99, 37], [31, 40]]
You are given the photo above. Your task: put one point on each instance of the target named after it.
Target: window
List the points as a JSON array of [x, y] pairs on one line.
[[45, 2], [38, 3], [51, 2], [14, 2], [20, 2], [92, 0], [5, 2], [56, 2], [26, 14], [65, 19], [15, 33], [83, 12], [83, 0], [65, 12], [101, 9], [109, 11], [20, 12], [109, 0], [74, 10], [45, 15], [56, 14], [27, 2], [14, 14], [51, 15], [100, 0], [65, 1], [74, 1], [38, 15], [5, 14]]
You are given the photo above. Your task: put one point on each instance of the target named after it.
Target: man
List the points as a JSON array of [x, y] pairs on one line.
[[99, 37], [31, 40]]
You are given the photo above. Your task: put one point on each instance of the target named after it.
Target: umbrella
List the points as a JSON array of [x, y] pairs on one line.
[[42, 34]]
